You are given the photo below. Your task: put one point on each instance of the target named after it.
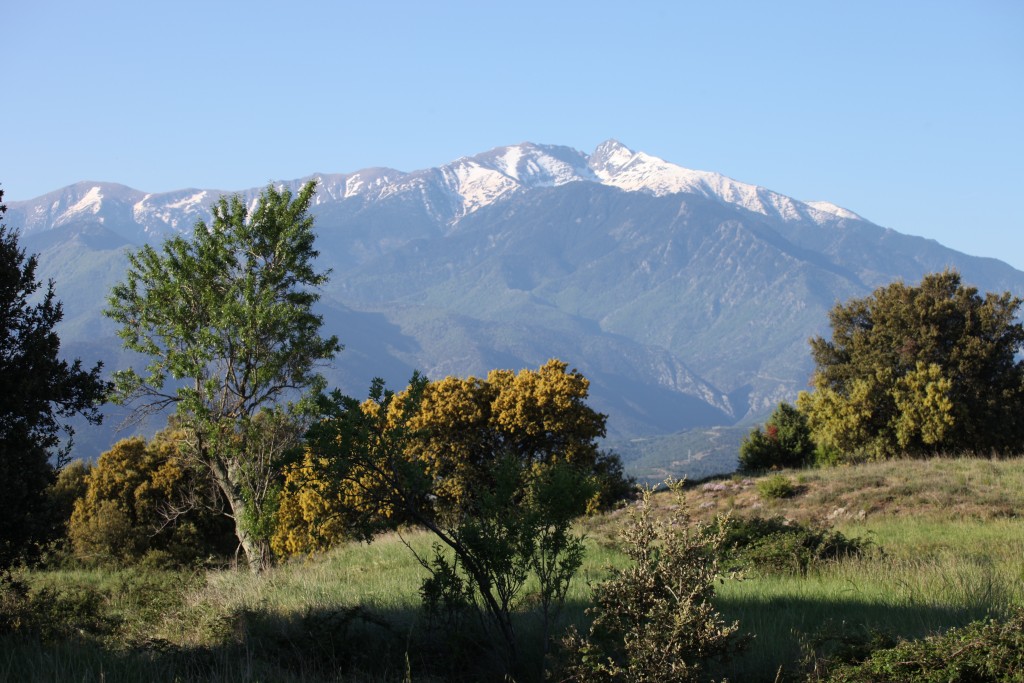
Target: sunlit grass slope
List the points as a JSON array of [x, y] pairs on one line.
[[948, 541]]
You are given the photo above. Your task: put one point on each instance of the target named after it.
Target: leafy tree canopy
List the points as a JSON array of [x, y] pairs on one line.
[[226, 319], [37, 390], [430, 451], [919, 370]]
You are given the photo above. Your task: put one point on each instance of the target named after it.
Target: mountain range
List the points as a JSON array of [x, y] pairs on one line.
[[685, 296]]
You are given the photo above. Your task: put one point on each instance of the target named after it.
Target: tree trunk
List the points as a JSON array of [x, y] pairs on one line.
[[257, 550]]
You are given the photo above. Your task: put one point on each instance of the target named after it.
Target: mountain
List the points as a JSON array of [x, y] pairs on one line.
[[685, 296]]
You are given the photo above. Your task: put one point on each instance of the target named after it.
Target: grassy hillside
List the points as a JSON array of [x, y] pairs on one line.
[[948, 546]]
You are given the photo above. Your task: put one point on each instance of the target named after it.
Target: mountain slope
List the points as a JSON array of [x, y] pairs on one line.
[[687, 297]]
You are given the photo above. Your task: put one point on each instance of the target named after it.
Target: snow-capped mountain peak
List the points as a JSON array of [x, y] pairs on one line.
[[610, 158], [448, 192], [89, 203], [533, 165], [617, 165], [476, 185], [478, 181]]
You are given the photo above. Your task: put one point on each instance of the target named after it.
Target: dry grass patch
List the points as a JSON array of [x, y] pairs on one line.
[[941, 489]]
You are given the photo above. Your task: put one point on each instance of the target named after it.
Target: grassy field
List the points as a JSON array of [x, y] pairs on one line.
[[948, 548]]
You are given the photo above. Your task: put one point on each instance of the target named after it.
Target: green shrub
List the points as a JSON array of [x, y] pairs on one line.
[[785, 442], [982, 652], [774, 544], [776, 486], [654, 621], [830, 456], [50, 614]]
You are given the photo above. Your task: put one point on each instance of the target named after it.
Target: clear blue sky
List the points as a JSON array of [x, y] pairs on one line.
[[910, 113]]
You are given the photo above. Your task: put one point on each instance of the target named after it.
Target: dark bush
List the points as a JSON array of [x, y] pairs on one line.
[[835, 644], [49, 614], [775, 544], [785, 442], [990, 651], [613, 484]]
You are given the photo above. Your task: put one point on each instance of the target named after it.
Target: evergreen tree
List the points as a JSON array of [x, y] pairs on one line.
[[784, 442], [37, 391], [919, 371]]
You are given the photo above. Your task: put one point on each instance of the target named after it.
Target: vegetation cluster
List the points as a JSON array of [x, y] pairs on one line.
[[494, 492], [909, 372]]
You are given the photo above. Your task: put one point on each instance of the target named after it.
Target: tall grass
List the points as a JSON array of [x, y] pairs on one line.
[[950, 550], [903, 595], [350, 614], [951, 537]]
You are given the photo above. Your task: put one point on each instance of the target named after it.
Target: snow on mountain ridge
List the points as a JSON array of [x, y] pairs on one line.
[[188, 202], [834, 209], [478, 181], [91, 203], [610, 157], [477, 185], [618, 166], [158, 213], [69, 207], [510, 161], [555, 171], [453, 190]]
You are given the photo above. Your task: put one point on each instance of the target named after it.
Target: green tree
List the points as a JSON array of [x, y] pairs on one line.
[[72, 483], [919, 371], [37, 391], [496, 469], [61, 496], [784, 442], [226, 318]]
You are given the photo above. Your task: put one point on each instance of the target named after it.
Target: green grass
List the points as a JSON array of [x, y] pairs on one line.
[[924, 585], [949, 531], [951, 548], [351, 614]]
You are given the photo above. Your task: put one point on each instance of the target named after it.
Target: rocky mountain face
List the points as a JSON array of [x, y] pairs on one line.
[[686, 297]]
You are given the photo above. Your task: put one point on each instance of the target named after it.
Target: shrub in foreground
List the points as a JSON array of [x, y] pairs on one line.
[[654, 620], [989, 651]]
